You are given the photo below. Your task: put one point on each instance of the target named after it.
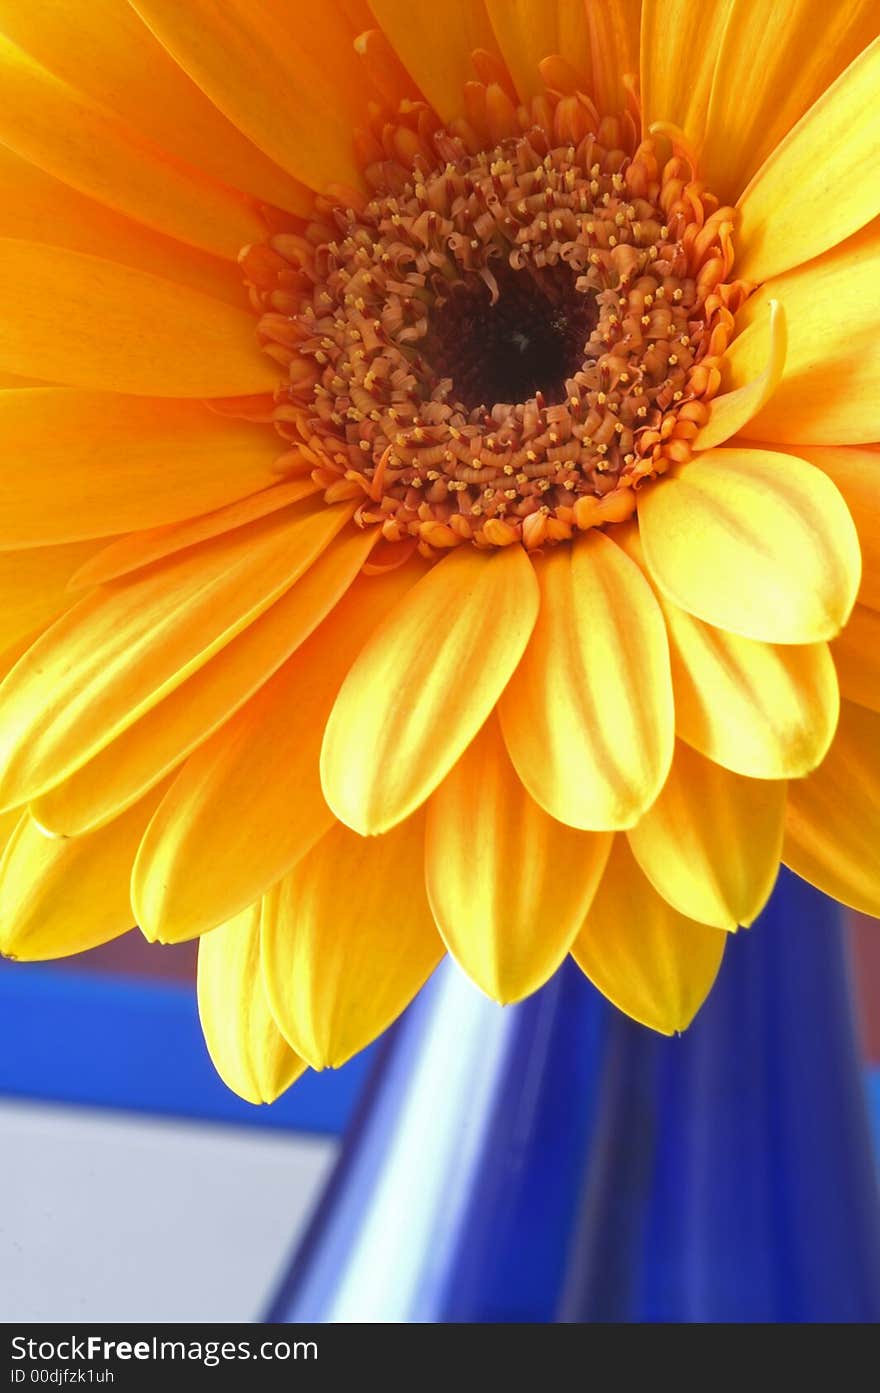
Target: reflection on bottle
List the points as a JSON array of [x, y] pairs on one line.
[[554, 1161]]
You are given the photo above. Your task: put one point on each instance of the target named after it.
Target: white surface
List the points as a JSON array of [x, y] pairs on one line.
[[113, 1217]]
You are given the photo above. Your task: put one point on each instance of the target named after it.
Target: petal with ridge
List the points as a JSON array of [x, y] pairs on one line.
[[755, 542], [425, 683], [588, 715], [649, 960], [710, 844], [508, 885], [246, 1047], [339, 968]]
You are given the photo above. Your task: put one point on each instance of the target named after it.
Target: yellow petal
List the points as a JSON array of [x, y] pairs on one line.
[[833, 822], [112, 464], [435, 42], [732, 411], [39, 208], [339, 968], [8, 823], [648, 959], [121, 649], [774, 62], [710, 845], [424, 684], [63, 895], [614, 45], [248, 804], [85, 322], [130, 74], [765, 710], [529, 30], [679, 47], [56, 127], [246, 1047], [588, 716], [831, 381], [855, 472], [126, 555], [788, 214], [154, 745], [857, 657], [758, 543], [293, 88], [33, 587], [509, 886]]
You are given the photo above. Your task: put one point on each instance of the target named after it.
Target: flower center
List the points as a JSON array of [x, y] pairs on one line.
[[527, 340], [500, 345]]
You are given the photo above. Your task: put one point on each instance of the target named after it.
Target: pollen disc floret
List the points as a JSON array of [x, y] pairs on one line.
[[500, 346]]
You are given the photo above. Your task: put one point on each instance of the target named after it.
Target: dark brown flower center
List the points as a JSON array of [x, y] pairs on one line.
[[527, 340]]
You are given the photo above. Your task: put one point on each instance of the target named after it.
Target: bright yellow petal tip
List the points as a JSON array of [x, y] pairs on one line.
[[247, 1049]]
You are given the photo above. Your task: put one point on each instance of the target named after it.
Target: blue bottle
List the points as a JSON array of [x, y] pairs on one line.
[[553, 1161]]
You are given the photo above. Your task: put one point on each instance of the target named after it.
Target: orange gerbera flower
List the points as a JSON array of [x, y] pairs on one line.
[[438, 443]]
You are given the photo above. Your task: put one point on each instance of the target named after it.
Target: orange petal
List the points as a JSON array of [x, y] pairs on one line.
[[130, 74], [857, 657], [55, 126], [340, 968], [358, 13], [710, 845], [732, 411], [64, 895], [831, 381], [86, 322], [679, 48], [248, 804], [786, 214], [588, 716], [774, 62], [509, 886], [529, 30], [33, 587], [758, 543], [833, 822], [614, 45], [246, 1047], [111, 464], [648, 959], [154, 745], [424, 684], [39, 208], [387, 74], [294, 89], [15, 381], [123, 648], [126, 555], [855, 472], [435, 42]]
